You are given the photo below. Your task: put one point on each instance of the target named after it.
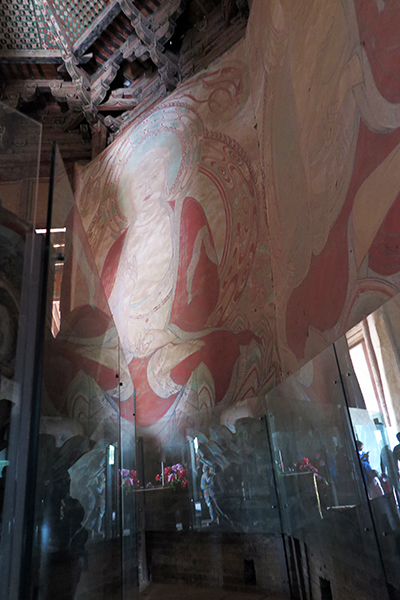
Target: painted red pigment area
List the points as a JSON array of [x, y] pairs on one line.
[[380, 36], [319, 300], [384, 255]]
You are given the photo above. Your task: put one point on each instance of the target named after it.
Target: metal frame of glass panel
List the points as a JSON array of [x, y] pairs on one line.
[[20, 254], [68, 530]]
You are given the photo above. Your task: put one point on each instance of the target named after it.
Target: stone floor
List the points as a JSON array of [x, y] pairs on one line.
[[181, 591]]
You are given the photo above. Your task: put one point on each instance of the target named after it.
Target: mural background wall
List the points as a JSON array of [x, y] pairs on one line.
[[253, 217], [328, 117]]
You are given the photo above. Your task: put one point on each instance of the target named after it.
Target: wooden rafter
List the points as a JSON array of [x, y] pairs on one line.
[[77, 74], [140, 40], [96, 28], [154, 32], [132, 48]]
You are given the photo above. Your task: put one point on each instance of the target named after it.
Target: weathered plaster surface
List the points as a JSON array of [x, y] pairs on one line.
[[252, 218]]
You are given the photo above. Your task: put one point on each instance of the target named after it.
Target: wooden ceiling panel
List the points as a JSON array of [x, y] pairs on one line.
[[105, 62]]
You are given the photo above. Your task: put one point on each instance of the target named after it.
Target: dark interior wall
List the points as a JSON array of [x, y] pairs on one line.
[[219, 559]]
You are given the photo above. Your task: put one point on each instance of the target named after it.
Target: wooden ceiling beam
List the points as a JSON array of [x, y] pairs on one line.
[[145, 39], [20, 91], [31, 56], [228, 7], [131, 49], [216, 37], [117, 124], [77, 74], [129, 98], [94, 31], [154, 32], [59, 30]]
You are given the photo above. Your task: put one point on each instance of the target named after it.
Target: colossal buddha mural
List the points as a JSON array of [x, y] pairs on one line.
[[253, 217]]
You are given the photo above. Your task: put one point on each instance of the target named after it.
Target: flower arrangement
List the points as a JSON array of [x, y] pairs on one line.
[[304, 466], [129, 478], [175, 476]]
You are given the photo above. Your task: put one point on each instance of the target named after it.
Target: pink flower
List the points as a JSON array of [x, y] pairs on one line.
[[176, 475]]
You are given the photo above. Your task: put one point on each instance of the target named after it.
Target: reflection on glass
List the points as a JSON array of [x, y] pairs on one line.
[[79, 526], [319, 481], [217, 478], [376, 426], [20, 139]]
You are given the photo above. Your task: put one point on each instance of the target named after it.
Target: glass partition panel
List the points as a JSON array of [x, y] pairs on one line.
[[206, 484], [211, 475], [84, 527], [369, 360], [20, 139], [20, 144], [319, 481]]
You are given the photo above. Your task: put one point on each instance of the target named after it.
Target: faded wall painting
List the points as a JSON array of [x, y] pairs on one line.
[[175, 219], [325, 81], [253, 217]]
